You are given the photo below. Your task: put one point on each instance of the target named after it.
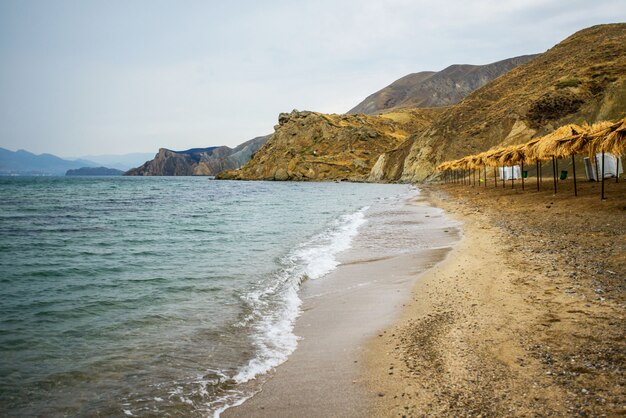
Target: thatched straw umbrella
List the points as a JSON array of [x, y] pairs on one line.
[[607, 137], [554, 145], [480, 161], [615, 143], [530, 155], [492, 158], [512, 155]]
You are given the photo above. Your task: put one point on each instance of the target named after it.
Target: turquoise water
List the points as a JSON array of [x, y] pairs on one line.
[[158, 296]]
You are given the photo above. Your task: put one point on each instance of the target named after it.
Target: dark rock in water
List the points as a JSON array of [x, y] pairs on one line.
[[94, 171], [198, 161]]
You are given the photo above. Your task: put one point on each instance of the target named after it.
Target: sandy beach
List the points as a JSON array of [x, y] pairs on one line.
[[524, 318], [346, 308]]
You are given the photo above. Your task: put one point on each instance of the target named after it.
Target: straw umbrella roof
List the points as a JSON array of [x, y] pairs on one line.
[[555, 144], [563, 142], [589, 141], [513, 154], [492, 157], [615, 142], [608, 137]]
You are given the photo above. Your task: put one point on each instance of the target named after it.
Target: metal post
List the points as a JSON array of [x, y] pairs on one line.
[[512, 177], [574, 174], [495, 177], [603, 175], [537, 175], [486, 175], [522, 174], [554, 172]]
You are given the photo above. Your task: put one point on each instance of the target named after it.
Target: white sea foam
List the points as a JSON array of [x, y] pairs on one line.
[[276, 305]]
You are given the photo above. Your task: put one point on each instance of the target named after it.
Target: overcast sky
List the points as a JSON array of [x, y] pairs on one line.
[[94, 77]]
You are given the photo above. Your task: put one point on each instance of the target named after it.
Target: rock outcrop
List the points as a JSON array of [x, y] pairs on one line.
[[198, 161], [315, 146], [434, 89]]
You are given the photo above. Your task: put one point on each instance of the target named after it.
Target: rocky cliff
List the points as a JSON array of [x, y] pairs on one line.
[[433, 89], [581, 79], [198, 161], [315, 146]]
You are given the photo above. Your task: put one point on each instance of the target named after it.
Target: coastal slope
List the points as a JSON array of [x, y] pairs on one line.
[[582, 79], [435, 89], [316, 146]]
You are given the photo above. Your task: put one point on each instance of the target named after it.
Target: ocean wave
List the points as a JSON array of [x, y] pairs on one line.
[[275, 304]]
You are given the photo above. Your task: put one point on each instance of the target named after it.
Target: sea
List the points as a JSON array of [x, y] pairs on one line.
[[161, 296]]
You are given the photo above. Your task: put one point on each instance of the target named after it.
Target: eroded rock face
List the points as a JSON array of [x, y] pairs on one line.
[[198, 161], [315, 146]]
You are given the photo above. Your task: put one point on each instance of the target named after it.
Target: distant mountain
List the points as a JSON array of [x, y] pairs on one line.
[[198, 161], [94, 171], [122, 161], [435, 89], [25, 163]]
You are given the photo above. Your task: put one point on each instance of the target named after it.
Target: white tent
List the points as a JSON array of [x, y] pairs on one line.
[[610, 167], [508, 173]]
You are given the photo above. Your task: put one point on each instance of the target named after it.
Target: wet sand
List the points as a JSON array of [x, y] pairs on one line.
[[341, 312]]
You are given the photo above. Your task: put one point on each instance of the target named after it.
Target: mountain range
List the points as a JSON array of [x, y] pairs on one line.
[[435, 89], [22, 162]]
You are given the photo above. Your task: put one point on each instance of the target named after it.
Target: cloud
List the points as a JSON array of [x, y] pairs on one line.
[[88, 77]]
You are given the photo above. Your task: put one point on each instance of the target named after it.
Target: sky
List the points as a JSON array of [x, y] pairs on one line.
[[81, 77]]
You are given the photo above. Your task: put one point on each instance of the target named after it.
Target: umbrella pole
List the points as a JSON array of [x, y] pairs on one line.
[[574, 174], [474, 172], [537, 175], [486, 175], [603, 175], [597, 171], [617, 169], [522, 174], [512, 178], [503, 176], [554, 173], [495, 177]]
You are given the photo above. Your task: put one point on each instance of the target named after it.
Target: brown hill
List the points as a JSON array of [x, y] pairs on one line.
[[434, 89], [316, 146], [581, 79]]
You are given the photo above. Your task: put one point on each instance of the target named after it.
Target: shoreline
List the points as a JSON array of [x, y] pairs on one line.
[[366, 293], [525, 316]]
